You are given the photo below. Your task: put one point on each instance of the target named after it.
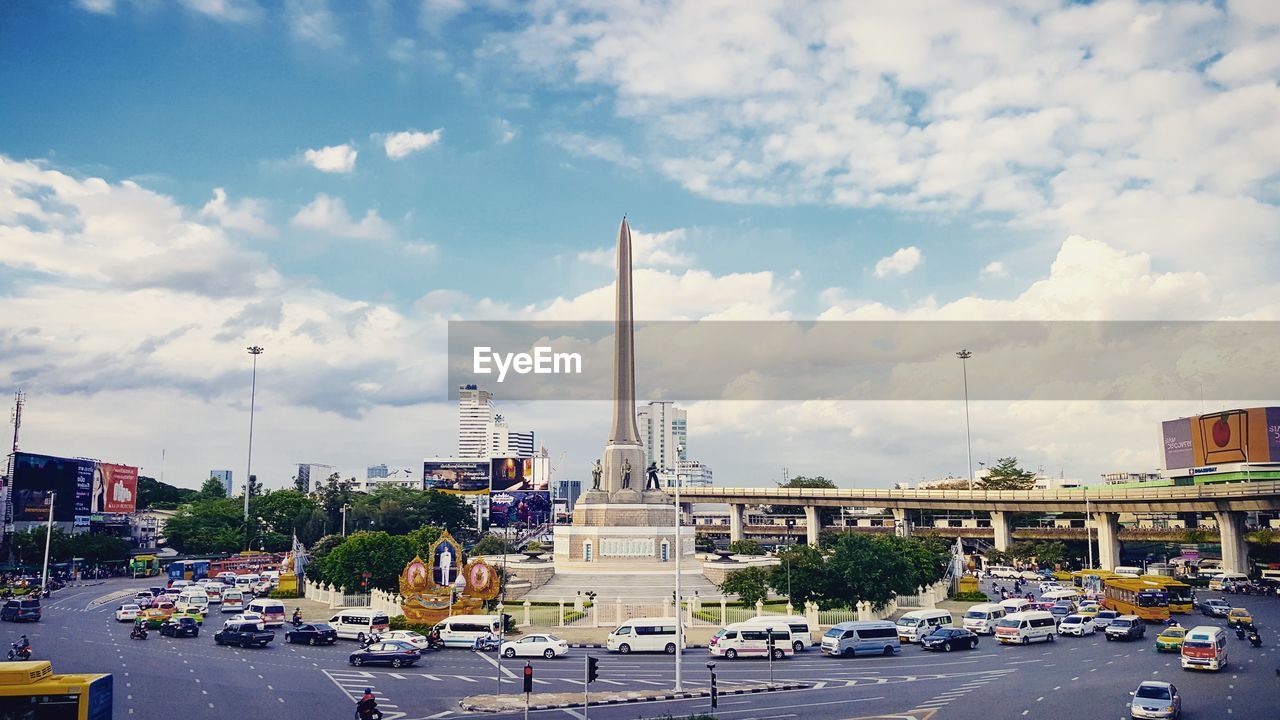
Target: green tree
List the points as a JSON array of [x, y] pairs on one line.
[[208, 526], [399, 510], [154, 494], [750, 584], [802, 575], [381, 555], [491, 545], [212, 489], [318, 551], [284, 511], [745, 546], [704, 543], [1006, 475], [877, 568], [1050, 554], [826, 515]]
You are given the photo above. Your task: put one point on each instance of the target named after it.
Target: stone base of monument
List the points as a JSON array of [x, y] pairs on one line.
[[624, 537]]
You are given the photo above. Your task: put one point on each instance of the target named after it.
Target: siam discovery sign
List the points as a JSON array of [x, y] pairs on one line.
[[1178, 452]]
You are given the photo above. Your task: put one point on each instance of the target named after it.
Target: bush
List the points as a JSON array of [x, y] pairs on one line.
[[971, 597], [398, 622], [533, 546], [284, 595], [745, 547]]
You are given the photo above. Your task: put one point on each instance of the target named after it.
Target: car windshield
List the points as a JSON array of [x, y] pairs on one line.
[[1107, 614], [1007, 623], [909, 622], [832, 633], [1153, 692], [1174, 632], [1197, 645], [1121, 623], [1072, 620], [974, 614]]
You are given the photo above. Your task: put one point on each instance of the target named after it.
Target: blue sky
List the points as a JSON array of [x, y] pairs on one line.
[[899, 160]]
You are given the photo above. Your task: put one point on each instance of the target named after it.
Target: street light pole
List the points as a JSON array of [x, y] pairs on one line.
[[964, 355], [679, 619], [345, 506], [1088, 530], [255, 351], [48, 534]]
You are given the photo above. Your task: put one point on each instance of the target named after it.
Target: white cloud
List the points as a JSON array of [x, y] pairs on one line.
[[312, 22], [230, 11], [995, 269], [422, 249], [599, 148], [647, 250], [332, 159], [328, 214], [247, 215], [399, 145], [105, 7], [901, 262], [505, 131]]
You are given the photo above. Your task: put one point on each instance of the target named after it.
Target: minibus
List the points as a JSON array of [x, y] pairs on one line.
[[982, 618], [359, 623], [1023, 627], [916, 624], [751, 640], [800, 635], [1204, 647], [463, 630], [869, 637], [644, 635], [272, 611]]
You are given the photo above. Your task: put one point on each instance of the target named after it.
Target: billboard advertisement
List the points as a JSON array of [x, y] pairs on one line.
[[115, 489], [35, 477], [1235, 436], [512, 474], [1178, 452], [458, 477], [1273, 434], [519, 508]]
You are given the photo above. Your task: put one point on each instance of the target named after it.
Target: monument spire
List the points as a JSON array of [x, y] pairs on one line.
[[624, 431]]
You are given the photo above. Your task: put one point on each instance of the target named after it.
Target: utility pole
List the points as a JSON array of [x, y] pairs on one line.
[[679, 615], [964, 355], [48, 535], [255, 351], [1088, 529]]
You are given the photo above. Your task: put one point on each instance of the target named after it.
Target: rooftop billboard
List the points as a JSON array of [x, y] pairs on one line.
[[456, 477]]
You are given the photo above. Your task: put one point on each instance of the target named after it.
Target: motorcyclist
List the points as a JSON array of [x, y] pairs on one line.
[[433, 638], [1240, 632], [367, 706], [297, 616]]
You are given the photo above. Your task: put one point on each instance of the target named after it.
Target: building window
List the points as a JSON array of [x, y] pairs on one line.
[[586, 551], [666, 552]]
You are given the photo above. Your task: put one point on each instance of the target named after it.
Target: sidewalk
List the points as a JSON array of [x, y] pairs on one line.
[[550, 701], [694, 637]]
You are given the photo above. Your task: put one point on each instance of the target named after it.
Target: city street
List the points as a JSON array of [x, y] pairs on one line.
[[1073, 677]]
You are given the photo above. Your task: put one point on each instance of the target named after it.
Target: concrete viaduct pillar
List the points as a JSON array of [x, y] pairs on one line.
[[901, 524], [812, 524], [1108, 529], [737, 517], [1000, 528], [1235, 551]]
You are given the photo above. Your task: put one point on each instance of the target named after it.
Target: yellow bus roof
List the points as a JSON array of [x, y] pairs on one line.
[[1164, 580], [1127, 583]]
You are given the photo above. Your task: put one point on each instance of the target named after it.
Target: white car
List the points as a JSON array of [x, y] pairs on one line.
[[127, 613], [1050, 586], [144, 599], [415, 639], [1078, 625], [547, 646], [1029, 575], [249, 617]]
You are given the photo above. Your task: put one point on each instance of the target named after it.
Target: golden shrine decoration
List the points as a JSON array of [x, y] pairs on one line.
[[428, 586]]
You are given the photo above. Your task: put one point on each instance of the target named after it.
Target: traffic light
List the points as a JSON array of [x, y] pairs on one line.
[[593, 669], [771, 645], [528, 678]]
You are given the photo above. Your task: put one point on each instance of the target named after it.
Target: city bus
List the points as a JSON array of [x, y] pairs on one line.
[[1091, 579], [1132, 596], [31, 691], [1178, 593], [144, 566]]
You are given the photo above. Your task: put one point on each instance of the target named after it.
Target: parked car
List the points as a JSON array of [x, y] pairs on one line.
[[1171, 639], [1155, 699], [1126, 627], [548, 646], [947, 639], [1078, 625], [395, 653], [180, 627], [128, 613], [312, 634], [244, 634], [21, 610], [1215, 607]]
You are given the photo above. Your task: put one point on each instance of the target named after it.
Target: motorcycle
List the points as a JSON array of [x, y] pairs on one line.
[[435, 644], [19, 651], [138, 633], [1239, 632], [1255, 639]]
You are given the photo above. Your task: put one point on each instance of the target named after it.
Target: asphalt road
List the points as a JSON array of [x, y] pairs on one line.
[[1072, 678]]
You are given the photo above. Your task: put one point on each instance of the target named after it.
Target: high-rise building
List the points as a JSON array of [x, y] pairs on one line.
[[373, 472], [310, 475], [664, 434], [520, 443], [568, 492], [475, 422], [224, 477]]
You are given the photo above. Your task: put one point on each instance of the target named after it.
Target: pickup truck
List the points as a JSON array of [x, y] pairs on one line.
[[244, 635]]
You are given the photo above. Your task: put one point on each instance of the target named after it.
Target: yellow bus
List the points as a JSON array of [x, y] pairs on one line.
[[31, 691], [1177, 592], [1088, 579], [1133, 596]]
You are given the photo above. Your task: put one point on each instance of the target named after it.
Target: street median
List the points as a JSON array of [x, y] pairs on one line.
[[552, 701]]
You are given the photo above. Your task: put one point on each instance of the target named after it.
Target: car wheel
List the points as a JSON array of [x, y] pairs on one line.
[[946, 646], [624, 648], [848, 652], [1052, 638], [217, 640], [395, 662], [357, 661], [797, 646], [195, 633], [1108, 638], [670, 649], [548, 653], [311, 641], [888, 650], [509, 652], [778, 654], [731, 653], [1026, 640], [973, 643]]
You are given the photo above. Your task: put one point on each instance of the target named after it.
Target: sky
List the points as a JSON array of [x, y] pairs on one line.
[[335, 181]]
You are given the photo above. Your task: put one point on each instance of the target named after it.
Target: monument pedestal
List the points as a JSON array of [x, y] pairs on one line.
[[640, 536]]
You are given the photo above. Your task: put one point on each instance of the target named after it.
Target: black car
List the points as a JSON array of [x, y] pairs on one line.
[[180, 627], [312, 634], [244, 634], [392, 652], [947, 639], [21, 610]]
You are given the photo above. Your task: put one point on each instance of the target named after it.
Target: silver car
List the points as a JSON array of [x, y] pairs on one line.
[[1155, 699]]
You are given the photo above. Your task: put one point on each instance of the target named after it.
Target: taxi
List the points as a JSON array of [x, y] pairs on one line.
[[155, 617], [1239, 616], [1171, 639], [1089, 610], [193, 614]]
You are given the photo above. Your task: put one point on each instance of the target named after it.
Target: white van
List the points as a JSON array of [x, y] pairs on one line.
[[751, 640], [868, 637], [245, 583], [801, 638], [644, 635], [272, 611], [1023, 627], [1222, 579], [232, 600], [462, 630], [192, 599], [982, 618], [916, 624], [1056, 595], [1002, 571], [359, 623], [1013, 605], [1204, 646]]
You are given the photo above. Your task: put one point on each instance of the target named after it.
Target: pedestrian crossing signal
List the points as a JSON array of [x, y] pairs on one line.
[[593, 669], [528, 678]]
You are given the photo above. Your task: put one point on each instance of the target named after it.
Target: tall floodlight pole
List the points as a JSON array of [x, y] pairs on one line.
[[679, 617], [964, 355], [255, 351], [48, 534], [1088, 528]]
